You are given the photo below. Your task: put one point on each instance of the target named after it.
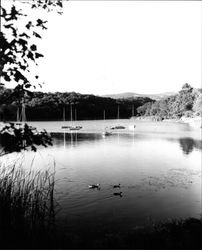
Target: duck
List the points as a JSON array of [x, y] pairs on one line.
[[118, 194], [117, 186], [94, 186]]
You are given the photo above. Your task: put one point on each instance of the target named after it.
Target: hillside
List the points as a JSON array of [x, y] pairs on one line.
[[50, 106], [127, 95], [187, 102]]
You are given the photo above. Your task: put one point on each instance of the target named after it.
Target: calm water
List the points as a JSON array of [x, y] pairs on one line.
[[158, 166]]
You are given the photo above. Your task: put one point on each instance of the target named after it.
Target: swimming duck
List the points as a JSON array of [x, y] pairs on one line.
[[117, 186], [118, 194], [94, 186]]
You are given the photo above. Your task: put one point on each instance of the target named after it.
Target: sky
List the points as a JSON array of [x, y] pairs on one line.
[[108, 47]]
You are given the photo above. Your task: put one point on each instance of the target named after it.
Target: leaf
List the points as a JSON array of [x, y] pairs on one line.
[[6, 77], [30, 55], [8, 26], [29, 25], [39, 22], [23, 67], [59, 3], [4, 14], [14, 13], [33, 47], [17, 76], [22, 42], [33, 148], [27, 85], [37, 55], [36, 34], [24, 35]]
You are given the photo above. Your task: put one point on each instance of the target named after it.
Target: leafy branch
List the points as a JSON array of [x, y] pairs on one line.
[[17, 53], [15, 138]]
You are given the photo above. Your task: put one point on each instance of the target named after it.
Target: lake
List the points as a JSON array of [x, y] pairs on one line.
[[157, 164]]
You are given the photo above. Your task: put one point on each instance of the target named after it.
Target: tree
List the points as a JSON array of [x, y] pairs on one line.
[[16, 51], [16, 56], [185, 103], [198, 105]]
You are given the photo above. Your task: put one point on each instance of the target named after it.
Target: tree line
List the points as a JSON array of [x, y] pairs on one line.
[[187, 102], [51, 106]]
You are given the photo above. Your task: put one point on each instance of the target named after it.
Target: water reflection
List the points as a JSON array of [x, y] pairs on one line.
[[150, 167], [188, 145], [73, 139]]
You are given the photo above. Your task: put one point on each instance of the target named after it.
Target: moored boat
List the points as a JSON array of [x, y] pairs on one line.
[[107, 133], [117, 127], [75, 128]]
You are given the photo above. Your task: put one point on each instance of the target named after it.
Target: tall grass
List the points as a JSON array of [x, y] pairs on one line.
[[27, 208]]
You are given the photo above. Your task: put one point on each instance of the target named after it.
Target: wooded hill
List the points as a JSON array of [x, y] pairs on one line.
[[50, 106], [187, 102]]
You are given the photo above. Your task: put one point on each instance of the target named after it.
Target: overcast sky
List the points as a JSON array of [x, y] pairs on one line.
[[106, 47]]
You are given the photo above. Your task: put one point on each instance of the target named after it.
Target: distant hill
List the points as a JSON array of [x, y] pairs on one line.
[[127, 95]]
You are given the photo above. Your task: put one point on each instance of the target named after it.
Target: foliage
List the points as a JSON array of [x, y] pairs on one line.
[[15, 138], [49, 106], [18, 54], [185, 103], [198, 105]]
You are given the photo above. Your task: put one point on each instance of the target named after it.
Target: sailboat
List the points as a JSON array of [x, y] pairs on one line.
[[64, 127], [118, 126], [106, 132], [132, 127], [71, 115]]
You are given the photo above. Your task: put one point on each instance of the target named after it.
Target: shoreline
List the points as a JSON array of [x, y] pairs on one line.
[[195, 122]]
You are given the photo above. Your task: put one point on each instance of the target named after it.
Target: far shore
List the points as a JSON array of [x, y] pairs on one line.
[[195, 122]]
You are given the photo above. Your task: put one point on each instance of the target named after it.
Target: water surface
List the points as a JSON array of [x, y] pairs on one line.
[[157, 164]]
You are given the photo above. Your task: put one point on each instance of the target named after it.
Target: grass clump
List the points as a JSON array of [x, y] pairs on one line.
[[27, 209]]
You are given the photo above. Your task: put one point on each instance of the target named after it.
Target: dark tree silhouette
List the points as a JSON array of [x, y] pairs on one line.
[[17, 53]]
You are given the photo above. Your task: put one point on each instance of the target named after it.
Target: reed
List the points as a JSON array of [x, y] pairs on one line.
[[27, 209]]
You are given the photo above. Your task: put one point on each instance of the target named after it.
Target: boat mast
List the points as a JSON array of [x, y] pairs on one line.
[[18, 114], [132, 110], [23, 112], [75, 114], [118, 112], [104, 114], [71, 112], [63, 113]]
